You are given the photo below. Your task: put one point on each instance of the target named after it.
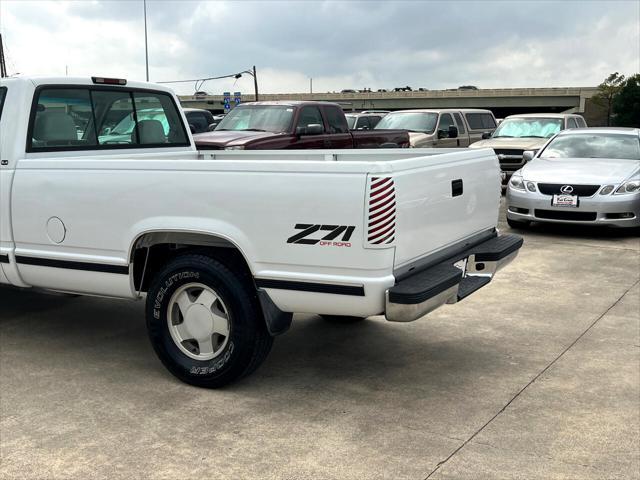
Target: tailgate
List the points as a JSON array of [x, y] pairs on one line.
[[430, 204]]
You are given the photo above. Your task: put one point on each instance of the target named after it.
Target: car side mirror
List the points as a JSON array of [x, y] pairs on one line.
[[212, 127], [192, 128], [106, 131], [528, 155], [311, 129], [442, 134], [453, 131], [486, 135]]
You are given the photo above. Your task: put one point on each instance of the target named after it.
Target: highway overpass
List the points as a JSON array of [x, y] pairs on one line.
[[502, 101]]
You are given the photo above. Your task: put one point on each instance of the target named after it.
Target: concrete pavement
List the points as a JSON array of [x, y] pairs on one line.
[[535, 376]]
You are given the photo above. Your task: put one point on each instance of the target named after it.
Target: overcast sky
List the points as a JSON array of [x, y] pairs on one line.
[[348, 44]]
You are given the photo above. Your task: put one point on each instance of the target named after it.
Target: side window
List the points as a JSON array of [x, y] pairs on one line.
[[480, 121], [336, 120], [198, 120], [445, 122], [63, 118], [488, 121], [460, 122], [571, 123], [310, 116], [581, 122], [158, 119], [363, 123], [375, 120]]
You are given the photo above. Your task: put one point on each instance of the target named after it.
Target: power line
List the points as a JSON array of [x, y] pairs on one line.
[[199, 82]]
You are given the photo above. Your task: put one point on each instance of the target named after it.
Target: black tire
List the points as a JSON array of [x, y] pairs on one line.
[[518, 224], [342, 319], [249, 341]]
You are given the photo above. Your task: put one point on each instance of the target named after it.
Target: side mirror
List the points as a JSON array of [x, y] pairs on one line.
[[528, 155], [486, 135], [311, 129], [453, 131], [192, 128], [442, 134], [106, 131], [212, 127]]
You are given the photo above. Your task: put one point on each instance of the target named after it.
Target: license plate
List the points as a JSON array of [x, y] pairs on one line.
[[563, 200]]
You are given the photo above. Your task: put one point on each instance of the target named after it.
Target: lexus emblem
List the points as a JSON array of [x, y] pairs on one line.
[[566, 189]]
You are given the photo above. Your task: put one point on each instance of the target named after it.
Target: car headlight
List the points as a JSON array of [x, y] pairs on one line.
[[607, 189], [630, 186], [516, 182], [235, 147]]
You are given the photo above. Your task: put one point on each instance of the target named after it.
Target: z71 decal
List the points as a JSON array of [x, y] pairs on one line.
[[338, 236]]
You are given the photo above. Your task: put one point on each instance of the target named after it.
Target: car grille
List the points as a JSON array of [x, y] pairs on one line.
[[509, 156], [508, 151], [562, 215], [579, 190]]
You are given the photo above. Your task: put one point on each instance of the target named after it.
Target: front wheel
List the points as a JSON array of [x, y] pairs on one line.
[[205, 323]]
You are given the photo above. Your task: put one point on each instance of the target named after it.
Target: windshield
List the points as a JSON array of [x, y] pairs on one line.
[[595, 145], [262, 118], [528, 127], [126, 125], [414, 122], [351, 121]]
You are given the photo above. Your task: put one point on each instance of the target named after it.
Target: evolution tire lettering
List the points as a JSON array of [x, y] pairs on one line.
[[308, 229]]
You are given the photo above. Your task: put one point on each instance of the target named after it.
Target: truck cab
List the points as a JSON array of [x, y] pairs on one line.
[[441, 128], [293, 125]]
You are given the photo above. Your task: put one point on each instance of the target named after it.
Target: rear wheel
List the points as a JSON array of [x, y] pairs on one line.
[[343, 319], [205, 323], [521, 224]]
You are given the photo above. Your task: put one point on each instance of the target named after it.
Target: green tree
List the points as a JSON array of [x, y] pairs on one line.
[[626, 104], [607, 91]]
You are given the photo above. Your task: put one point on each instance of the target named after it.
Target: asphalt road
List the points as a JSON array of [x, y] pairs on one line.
[[535, 376]]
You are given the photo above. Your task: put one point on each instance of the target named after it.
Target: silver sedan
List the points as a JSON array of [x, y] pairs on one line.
[[581, 176]]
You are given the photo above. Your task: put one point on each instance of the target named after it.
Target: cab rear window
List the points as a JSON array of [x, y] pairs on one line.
[[78, 118]]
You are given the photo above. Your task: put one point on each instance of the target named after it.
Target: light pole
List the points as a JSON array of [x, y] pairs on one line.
[[146, 48], [251, 72]]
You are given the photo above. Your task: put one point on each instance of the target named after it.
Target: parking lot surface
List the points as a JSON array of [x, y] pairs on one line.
[[535, 376]]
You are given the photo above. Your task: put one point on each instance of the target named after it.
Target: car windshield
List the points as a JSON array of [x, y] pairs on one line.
[[351, 121], [594, 145], [126, 125], [528, 127], [261, 118], [412, 121]]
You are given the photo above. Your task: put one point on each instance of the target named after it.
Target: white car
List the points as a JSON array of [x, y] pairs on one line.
[[588, 176], [226, 245]]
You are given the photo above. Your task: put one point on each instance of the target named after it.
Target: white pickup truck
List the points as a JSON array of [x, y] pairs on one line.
[[102, 192]]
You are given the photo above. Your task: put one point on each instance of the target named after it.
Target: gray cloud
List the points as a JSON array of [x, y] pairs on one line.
[[347, 44]]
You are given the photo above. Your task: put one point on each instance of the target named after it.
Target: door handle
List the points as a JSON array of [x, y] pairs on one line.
[[456, 187]]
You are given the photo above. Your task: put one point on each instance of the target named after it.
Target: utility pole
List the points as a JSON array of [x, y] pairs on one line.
[[310, 85], [255, 82], [3, 66], [146, 47]]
